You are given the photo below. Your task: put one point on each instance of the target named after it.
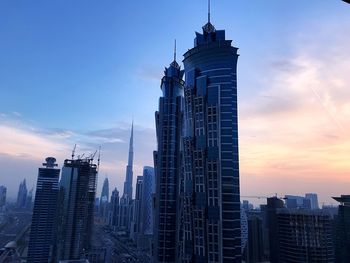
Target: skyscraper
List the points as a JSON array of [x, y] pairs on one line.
[[104, 199], [211, 193], [3, 191], [304, 235], [167, 163], [22, 194], [145, 236], [135, 223], [313, 200], [342, 251], [77, 196], [125, 208], [148, 191], [129, 171], [42, 229], [114, 210]]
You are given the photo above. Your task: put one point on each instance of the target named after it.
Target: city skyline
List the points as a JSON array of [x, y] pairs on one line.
[[284, 148]]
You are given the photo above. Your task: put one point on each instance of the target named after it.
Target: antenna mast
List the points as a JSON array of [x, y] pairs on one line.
[[175, 50], [208, 11]]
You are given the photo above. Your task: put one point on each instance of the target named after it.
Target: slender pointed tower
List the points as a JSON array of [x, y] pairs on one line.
[[167, 161], [126, 202], [129, 172]]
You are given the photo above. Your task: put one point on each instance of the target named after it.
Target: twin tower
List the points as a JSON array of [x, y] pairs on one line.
[[197, 202]]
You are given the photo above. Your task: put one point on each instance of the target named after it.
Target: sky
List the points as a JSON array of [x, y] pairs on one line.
[[78, 72]]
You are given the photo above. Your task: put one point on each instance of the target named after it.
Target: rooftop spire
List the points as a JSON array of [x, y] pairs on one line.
[[174, 63], [175, 50], [208, 27], [208, 11]]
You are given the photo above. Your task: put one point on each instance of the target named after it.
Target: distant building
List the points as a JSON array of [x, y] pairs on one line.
[[254, 250], [147, 212], [29, 200], [147, 205], [3, 191], [22, 194], [114, 209], [77, 196], [313, 200], [273, 203], [126, 202], [309, 201], [293, 202], [104, 200], [41, 240], [304, 236], [136, 220], [342, 246]]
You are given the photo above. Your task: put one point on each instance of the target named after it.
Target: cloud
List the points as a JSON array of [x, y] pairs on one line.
[[294, 132], [23, 148]]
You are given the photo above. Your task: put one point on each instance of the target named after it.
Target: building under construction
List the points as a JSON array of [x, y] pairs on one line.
[[76, 208]]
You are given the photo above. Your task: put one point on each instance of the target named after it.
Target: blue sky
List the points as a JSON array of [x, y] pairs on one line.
[[79, 71]]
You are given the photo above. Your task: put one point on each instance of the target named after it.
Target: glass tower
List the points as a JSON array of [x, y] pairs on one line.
[[167, 161], [211, 166], [42, 232]]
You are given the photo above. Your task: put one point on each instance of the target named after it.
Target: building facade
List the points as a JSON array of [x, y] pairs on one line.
[[342, 242], [304, 236], [42, 231], [168, 165], [76, 199], [211, 164]]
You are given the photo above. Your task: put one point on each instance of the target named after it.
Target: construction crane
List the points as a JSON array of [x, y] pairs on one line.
[[254, 196], [73, 152]]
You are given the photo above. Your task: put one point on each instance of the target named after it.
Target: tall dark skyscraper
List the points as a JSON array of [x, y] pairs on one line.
[[104, 199], [3, 191], [42, 231], [77, 196], [125, 208], [342, 246], [211, 163], [135, 223], [167, 161], [22, 194], [114, 210], [148, 190]]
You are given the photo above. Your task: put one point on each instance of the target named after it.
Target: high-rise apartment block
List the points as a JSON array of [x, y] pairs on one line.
[[42, 231]]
